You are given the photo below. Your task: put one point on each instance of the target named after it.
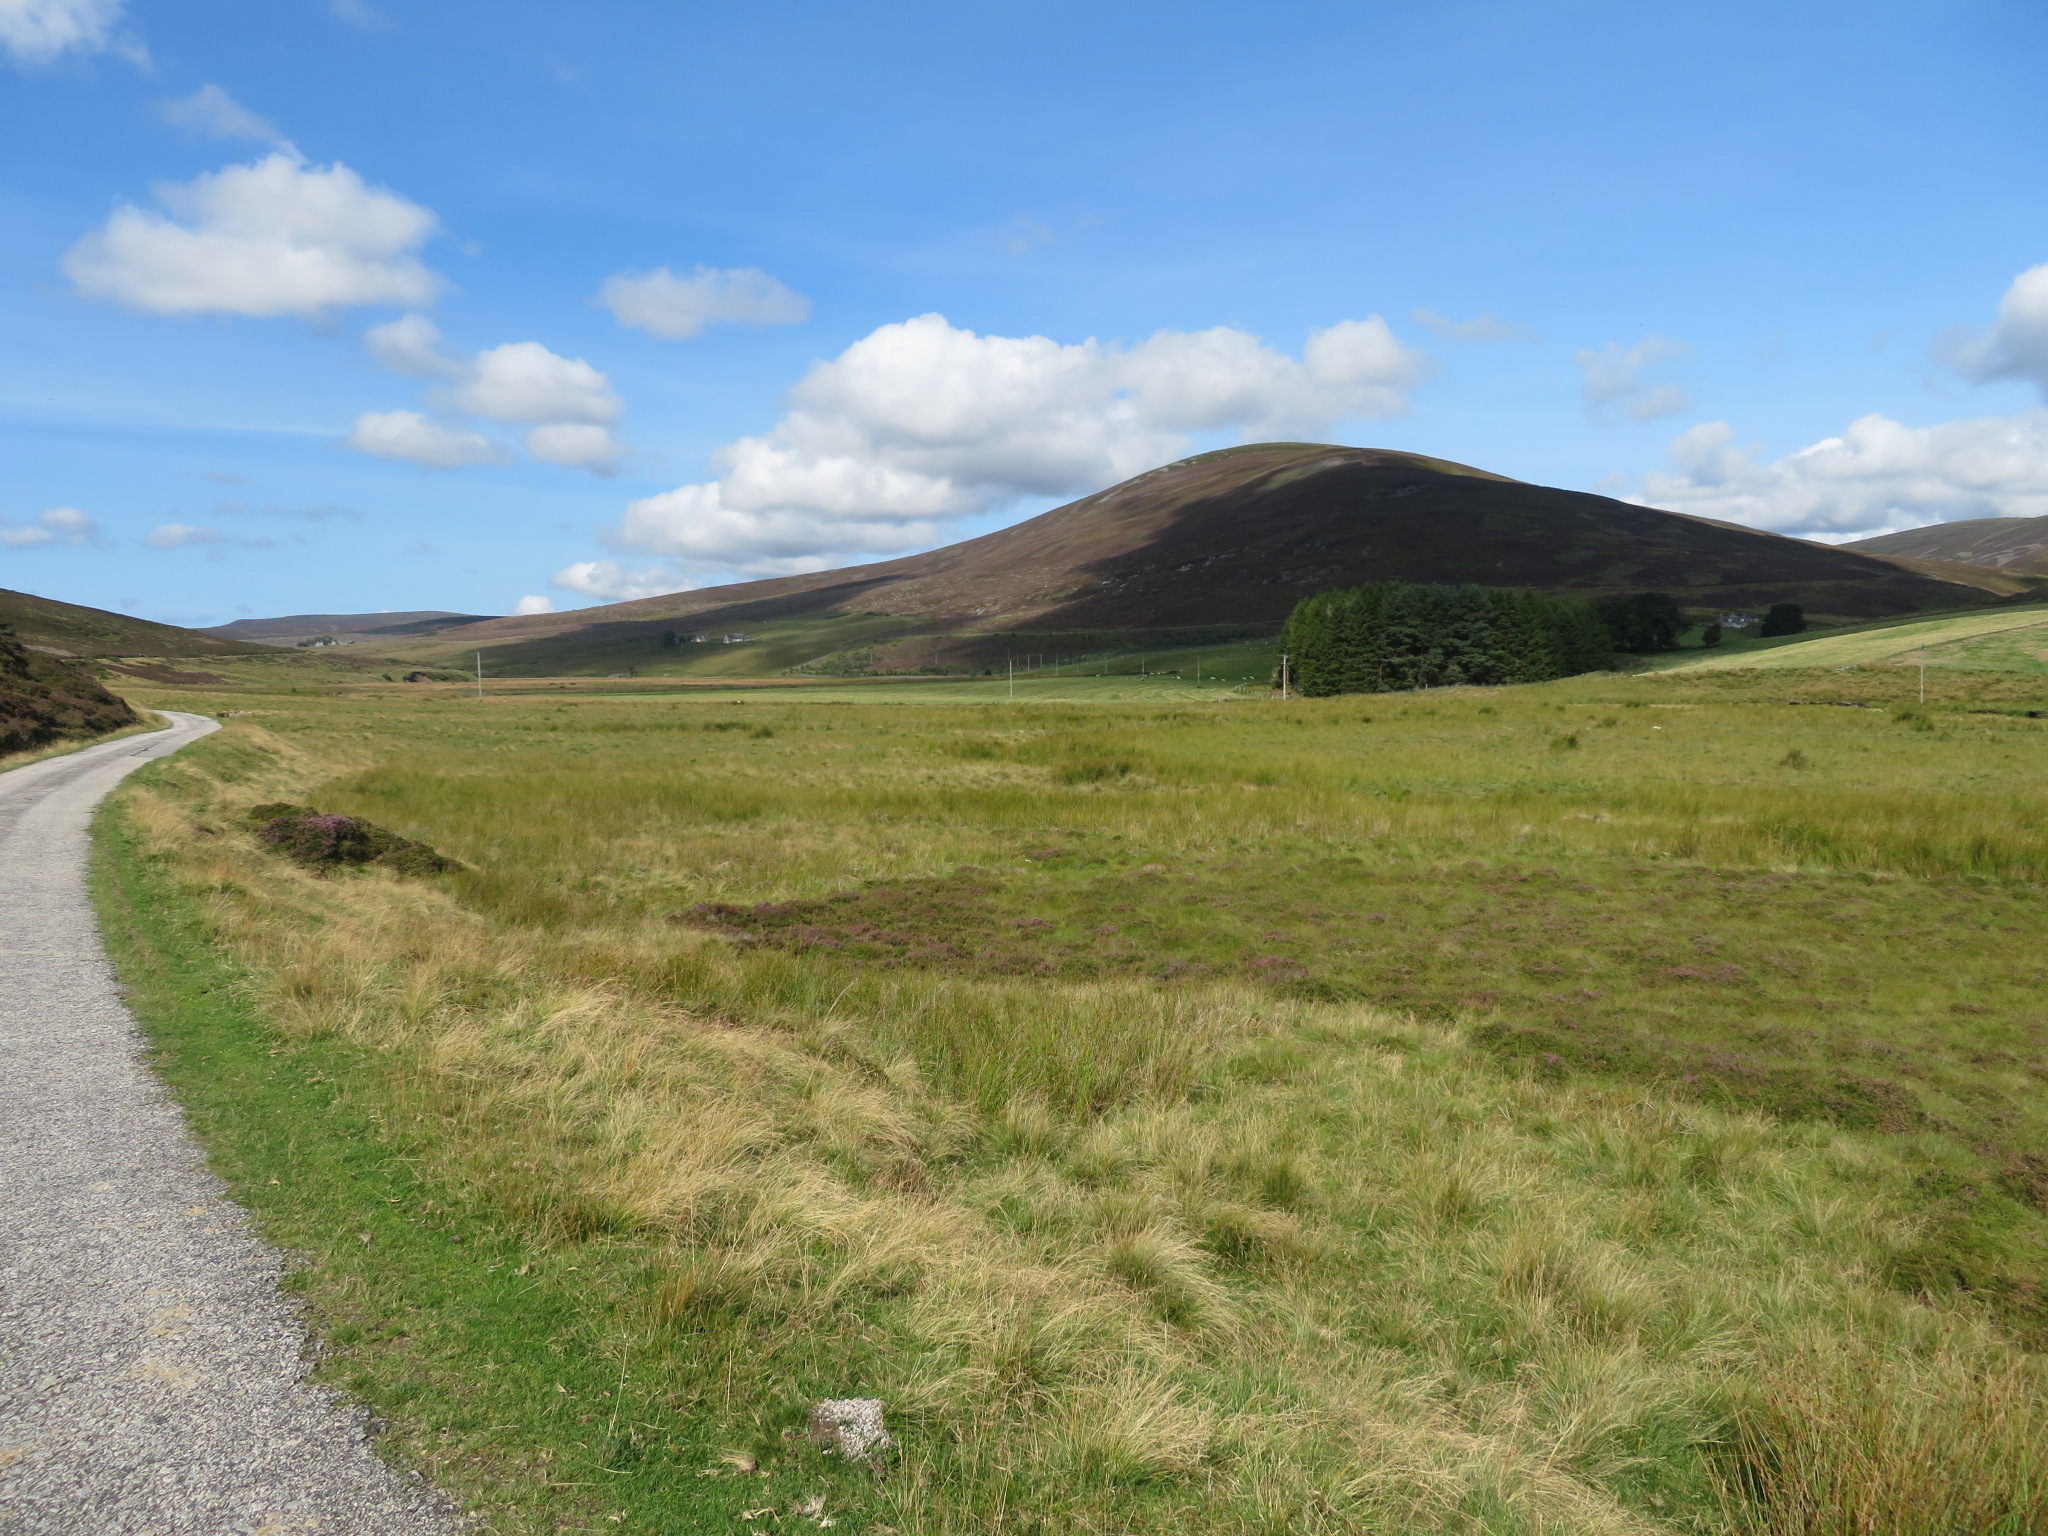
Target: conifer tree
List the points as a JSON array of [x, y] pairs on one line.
[[1783, 619], [1393, 636]]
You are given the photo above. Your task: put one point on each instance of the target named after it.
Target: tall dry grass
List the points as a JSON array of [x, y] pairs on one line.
[[1850, 1441], [1117, 1257]]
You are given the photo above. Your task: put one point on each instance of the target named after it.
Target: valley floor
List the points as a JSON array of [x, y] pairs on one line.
[[1606, 1106]]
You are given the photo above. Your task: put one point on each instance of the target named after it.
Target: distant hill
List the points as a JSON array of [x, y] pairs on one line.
[[67, 629], [1231, 538], [2017, 546], [354, 626], [44, 699]]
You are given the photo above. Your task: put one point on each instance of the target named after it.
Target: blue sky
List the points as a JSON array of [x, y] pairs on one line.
[[346, 305]]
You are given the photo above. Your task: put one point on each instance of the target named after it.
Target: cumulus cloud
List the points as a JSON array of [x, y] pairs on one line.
[[920, 422], [1876, 477], [532, 603], [412, 437], [576, 445], [1483, 327], [40, 31], [2016, 346], [523, 381], [1614, 377], [677, 308], [59, 525], [213, 112], [183, 536], [277, 237], [568, 404], [611, 582], [411, 345]]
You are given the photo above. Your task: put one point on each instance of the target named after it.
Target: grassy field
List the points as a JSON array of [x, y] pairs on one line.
[[1613, 1106], [2000, 640]]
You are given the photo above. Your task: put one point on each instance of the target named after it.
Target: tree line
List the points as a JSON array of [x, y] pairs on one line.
[[1395, 635]]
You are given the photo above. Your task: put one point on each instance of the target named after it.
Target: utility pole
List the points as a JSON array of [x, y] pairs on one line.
[[479, 677], [1923, 682], [1283, 676], [1011, 661]]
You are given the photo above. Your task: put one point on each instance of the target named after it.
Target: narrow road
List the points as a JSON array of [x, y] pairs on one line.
[[152, 1376]]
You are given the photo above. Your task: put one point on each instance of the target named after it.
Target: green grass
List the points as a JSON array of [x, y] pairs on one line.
[[1115, 688], [2013, 633], [487, 1351], [1441, 1112]]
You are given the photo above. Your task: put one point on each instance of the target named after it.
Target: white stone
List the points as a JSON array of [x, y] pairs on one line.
[[851, 1426]]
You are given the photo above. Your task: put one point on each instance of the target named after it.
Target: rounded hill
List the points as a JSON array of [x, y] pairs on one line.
[[1240, 536]]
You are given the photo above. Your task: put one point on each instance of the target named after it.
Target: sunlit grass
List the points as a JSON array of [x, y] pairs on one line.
[[1228, 1249]]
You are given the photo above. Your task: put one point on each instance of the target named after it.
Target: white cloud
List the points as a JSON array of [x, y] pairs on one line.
[[533, 603], [213, 112], [1877, 476], [576, 445], [2016, 347], [568, 404], [411, 345], [278, 237], [183, 536], [523, 381], [676, 308], [412, 437], [40, 31], [1482, 327], [612, 582], [920, 422], [1613, 377], [59, 525]]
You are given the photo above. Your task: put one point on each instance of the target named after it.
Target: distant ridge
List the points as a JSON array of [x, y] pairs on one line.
[[1237, 537], [2015, 545], [293, 628]]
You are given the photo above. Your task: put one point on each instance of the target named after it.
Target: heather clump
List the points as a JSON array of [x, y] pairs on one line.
[[324, 841]]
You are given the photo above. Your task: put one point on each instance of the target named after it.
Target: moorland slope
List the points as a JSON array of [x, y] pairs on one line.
[[2018, 545], [1238, 537], [70, 629], [292, 628], [43, 699]]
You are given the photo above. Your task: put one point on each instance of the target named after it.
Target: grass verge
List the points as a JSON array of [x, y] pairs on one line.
[[478, 1350]]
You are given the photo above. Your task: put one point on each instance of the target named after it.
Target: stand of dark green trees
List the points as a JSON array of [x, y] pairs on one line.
[[1783, 619], [1394, 636]]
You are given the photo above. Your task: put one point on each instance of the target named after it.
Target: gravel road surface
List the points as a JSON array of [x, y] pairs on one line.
[[152, 1376]]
